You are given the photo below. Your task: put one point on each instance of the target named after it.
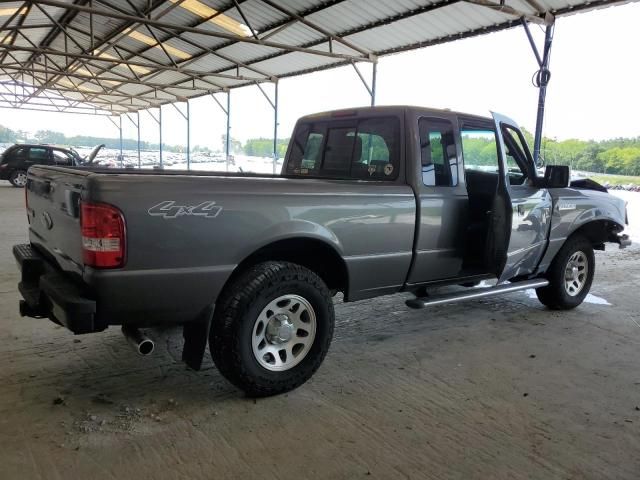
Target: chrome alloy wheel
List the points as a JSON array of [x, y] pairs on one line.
[[20, 180], [575, 273], [283, 333]]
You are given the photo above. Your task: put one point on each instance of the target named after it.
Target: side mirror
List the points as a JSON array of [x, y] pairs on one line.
[[556, 176]]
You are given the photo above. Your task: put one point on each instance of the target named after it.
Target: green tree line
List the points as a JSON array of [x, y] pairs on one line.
[[57, 138], [619, 156]]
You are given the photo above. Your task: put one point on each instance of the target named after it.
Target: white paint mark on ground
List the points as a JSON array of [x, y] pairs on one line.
[[594, 299]]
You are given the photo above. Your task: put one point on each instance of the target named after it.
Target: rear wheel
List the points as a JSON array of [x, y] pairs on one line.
[[18, 178], [570, 275], [272, 328]]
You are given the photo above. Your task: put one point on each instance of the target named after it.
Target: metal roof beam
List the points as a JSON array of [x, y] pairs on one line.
[[72, 100], [117, 61], [153, 86], [502, 7], [200, 31], [47, 108], [19, 24], [246, 20], [204, 52]]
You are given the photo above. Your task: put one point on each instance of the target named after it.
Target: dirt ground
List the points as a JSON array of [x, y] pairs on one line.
[[491, 389]]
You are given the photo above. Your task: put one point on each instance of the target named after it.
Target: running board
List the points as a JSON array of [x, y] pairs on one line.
[[422, 302]]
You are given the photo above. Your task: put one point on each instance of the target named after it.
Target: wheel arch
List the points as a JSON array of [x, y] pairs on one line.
[[598, 232], [315, 254]]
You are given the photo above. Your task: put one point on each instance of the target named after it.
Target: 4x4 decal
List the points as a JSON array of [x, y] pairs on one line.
[[169, 209]]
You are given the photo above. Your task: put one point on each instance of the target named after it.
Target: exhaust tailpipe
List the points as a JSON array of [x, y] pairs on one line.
[[138, 340]]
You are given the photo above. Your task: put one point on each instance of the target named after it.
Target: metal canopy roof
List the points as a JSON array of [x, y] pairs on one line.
[[113, 57]]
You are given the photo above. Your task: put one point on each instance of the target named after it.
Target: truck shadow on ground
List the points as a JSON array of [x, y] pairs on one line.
[[98, 384]]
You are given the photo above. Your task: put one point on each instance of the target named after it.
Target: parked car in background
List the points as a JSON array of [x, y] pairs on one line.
[[16, 160]]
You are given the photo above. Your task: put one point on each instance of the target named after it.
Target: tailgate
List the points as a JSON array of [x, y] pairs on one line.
[[53, 208]]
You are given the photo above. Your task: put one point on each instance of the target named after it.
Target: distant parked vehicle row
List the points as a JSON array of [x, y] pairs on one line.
[[629, 188], [16, 160]]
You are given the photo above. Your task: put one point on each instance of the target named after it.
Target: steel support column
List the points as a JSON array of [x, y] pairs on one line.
[[374, 77], [275, 129], [159, 122], [160, 130], [185, 115], [188, 138], [540, 80], [138, 127], [274, 105], [227, 112], [120, 129], [371, 89], [228, 137]]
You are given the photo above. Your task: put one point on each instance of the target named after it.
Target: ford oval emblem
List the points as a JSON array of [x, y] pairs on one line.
[[47, 221]]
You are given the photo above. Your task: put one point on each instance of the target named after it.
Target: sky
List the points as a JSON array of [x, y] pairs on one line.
[[593, 93]]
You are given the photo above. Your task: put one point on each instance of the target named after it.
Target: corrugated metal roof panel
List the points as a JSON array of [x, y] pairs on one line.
[[369, 26]]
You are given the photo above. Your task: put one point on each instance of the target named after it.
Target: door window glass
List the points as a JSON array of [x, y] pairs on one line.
[[37, 154], [438, 153], [480, 150], [18, 152], [515, 156]]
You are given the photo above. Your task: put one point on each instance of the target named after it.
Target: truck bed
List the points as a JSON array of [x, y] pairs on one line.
[[186, 232]]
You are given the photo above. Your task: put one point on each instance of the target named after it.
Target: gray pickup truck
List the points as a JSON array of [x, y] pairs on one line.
[[370, 202]]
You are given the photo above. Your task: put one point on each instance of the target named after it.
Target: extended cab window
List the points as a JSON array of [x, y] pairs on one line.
[[438, 153], [361, 149]]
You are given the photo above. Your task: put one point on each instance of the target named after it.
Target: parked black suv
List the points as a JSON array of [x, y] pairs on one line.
[[16, 160]]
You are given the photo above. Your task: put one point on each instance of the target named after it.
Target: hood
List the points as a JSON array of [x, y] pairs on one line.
[[91, 157]]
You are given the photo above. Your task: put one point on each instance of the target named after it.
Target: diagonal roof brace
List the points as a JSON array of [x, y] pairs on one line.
[[504, 8]]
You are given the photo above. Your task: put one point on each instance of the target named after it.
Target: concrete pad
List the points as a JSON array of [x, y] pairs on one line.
[[493, 389]]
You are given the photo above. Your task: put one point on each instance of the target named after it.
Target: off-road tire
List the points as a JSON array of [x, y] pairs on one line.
[[14, 178], [555, 295], [230, 337]]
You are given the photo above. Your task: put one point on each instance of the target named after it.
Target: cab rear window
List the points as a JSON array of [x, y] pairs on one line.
[[365, 149]]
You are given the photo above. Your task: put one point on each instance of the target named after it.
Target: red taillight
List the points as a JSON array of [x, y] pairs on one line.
[[103, 235]]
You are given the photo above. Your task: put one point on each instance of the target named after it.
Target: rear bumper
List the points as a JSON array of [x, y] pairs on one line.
[[48, 293]]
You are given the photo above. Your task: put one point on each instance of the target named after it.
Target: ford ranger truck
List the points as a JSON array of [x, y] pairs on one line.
[[370, 202]]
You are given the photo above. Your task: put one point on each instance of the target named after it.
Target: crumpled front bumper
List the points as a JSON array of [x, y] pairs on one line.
[[622, 240]]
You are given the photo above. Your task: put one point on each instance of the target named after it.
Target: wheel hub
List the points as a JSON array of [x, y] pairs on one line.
[[575, 273], [283, 333], [279, 329]]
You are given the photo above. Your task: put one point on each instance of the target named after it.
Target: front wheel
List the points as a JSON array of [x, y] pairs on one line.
[[272, 328], [18, 178], [570, 275]]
